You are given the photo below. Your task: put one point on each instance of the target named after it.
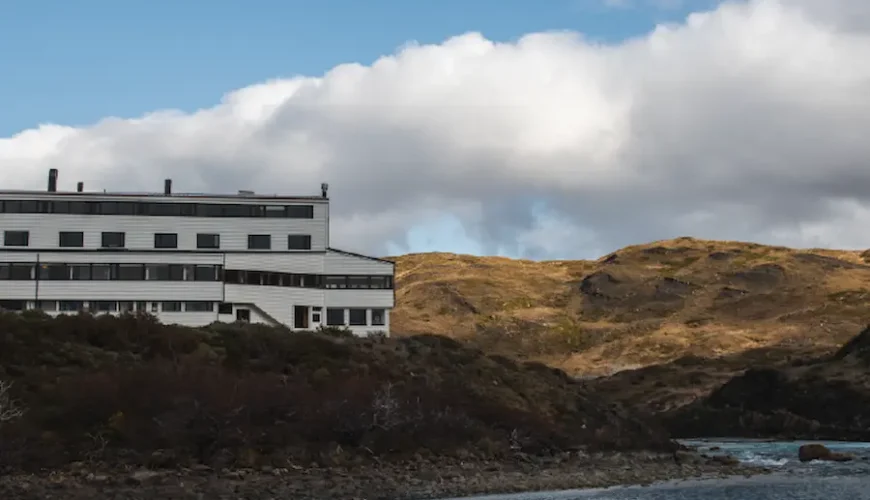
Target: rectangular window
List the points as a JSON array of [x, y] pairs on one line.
[[126, 307], [21, 272], [300, 211], [16, 238], [171, 306], [103, 306], [335, 281], [378, 282], [378, 317], [71, 306], [165, 272], [225, 308], [113, 240], [46, 305], [275, 211], [131, 272], [165, 240], [358, 282], [357, 317], [199, 306], [4, 271], [71, 239], [80, 271], [101, 272], [54, 272], [334, 316], [299, 242], [208, 240], [13, 305], [259, 242]]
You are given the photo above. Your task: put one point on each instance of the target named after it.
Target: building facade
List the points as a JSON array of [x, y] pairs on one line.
[[190, 259]]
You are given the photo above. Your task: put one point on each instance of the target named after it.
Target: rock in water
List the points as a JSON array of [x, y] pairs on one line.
[[810, 452]]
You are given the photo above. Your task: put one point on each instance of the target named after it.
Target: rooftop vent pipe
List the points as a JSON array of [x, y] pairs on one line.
[[52, 180], [167, 186], [80, 187]]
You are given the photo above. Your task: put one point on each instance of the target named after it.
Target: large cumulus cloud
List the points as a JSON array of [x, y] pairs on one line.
[[750, 121]]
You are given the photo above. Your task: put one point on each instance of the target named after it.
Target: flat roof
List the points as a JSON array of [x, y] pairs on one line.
[[34, 194]]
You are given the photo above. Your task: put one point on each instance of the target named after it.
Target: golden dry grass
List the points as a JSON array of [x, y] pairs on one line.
[[641, 305]]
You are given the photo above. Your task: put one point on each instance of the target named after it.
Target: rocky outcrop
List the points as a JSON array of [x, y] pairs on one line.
[[825, 399], [810, 452]]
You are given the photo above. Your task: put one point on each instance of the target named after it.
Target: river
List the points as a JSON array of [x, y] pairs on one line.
[[792, 480]]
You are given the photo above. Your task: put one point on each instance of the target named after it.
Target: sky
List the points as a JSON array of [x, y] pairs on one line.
[[526, 128]]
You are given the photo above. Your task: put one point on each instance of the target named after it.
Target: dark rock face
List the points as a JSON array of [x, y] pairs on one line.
[[810, 452], [827, 399]]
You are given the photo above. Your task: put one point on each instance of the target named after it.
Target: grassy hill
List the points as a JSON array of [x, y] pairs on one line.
[[641, 305]]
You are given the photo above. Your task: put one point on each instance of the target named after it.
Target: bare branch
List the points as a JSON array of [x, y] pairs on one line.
[[10, 409]]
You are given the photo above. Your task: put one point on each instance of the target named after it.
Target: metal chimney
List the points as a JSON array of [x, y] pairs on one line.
[[52, 180], [80, 187], [167, 186]]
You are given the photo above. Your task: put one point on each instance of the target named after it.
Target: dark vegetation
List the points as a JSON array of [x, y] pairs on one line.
[[129, 390]]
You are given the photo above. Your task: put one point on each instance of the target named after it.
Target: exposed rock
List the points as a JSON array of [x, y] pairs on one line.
[[810, 452]]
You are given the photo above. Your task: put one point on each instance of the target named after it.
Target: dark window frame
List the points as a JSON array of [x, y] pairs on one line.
[[166, 240], [356, 321], [77, 237], [298, 242], [211, 241], [265, 242], [158, 208], [330, 311], [383, 317], [13, 238], [105, 237]]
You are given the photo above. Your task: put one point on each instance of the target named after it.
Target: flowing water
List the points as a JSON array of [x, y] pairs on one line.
[[792, 480]]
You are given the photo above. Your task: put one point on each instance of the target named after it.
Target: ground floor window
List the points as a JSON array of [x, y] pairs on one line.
[[357, 317], [334, 316], [378, 317]]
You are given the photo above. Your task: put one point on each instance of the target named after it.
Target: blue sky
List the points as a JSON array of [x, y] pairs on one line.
[[74, 62]]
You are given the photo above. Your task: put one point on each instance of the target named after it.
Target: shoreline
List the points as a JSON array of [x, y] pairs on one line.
[[415, 480]]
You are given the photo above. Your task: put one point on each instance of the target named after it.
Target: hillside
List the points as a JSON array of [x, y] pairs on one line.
[[641, 305]]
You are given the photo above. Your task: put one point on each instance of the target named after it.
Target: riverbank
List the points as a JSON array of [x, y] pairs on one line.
[[415, 479]]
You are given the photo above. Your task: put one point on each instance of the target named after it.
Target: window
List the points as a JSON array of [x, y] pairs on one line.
[[46, 305], [71, 306], [357, 317], [13, 305], [171, 306], [334, 317], [80, 271], [21, 272], [225, 308], [165, 240], [207, 240], [164, 272], [378, 317], [71, 239], [126, 307], [378, 282], [113, 240], [299, 242], [357, 282], [300, 211], [275, 211], [259, 242], [101, 272], [131, 272], [335, 281], [16, 238], [199, 306], [103, 306], [54, 272], [205, 273]]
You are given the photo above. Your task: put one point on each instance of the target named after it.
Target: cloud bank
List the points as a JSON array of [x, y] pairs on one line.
[[747, 122]]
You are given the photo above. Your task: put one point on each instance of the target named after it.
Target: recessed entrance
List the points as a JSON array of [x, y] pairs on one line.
[[243, 315], [300, 317]]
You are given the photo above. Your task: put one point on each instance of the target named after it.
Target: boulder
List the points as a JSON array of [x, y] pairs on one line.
[[810, 452]]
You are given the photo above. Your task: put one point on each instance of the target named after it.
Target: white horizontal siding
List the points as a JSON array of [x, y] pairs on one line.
[[358, 298], [44, 229], [339, 263], [17, 290], [128, 290], [188, 318], [277, 302], [301, 263]]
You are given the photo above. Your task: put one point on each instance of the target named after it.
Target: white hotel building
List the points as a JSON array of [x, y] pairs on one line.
[[189, 259]]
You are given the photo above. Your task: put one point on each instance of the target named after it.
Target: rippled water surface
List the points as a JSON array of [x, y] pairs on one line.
[[792, 481]]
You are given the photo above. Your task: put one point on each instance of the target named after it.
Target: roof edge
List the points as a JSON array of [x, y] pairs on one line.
[[353, 254]]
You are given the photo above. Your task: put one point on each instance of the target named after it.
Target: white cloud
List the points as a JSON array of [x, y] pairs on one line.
[[746, 122]]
